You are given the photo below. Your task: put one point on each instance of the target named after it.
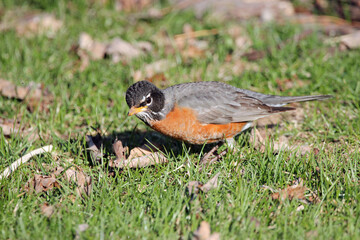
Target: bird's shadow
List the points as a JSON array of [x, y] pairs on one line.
[[137, 138]]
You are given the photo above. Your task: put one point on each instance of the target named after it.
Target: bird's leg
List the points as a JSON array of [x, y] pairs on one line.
[[231, 143], [210, 157]]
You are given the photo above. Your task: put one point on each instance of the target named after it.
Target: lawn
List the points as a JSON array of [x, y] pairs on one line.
[[154, 202]]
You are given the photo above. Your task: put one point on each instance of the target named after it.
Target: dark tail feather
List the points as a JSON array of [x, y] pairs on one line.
[[281, 109], [276, 101]]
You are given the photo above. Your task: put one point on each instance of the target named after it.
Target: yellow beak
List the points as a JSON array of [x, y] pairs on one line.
[[135, 110]]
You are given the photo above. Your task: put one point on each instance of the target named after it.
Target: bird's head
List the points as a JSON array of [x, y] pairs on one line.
[[145, 100]]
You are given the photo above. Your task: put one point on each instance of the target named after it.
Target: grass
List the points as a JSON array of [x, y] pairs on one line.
[[152, 202]]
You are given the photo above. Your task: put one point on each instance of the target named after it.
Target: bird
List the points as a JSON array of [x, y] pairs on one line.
[[204, 112]]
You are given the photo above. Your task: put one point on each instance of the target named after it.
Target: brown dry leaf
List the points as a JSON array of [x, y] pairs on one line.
[[10, 127], [83, 182], [260, 139], [95, 49], [151, 13], [189, 46], [350, 41], [330, 25], [139, 162], [158, 80], [143, 150], [35, 95], [296, 191], [40, 183], [241, 38], [211, 184], [119, 150], [143, 156], [117, 49], [285, 84], [235, 9], [263, 133], [254, 55], [82, 227], [132, 5], [194, 186], [47, 210], [42, 23], [311, 234], [204, 232], [235, 68], [150, 71]]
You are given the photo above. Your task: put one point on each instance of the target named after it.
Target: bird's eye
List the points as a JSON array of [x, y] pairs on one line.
[[148, 100]]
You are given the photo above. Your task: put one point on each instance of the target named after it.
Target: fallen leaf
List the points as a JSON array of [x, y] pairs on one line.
[[285, 84], [254, 55], [11, 127], [95, 49], [297, 192], [211, 184], [194, 186], [144, 150], [144, 46], [42, 23], [311, 234], [255, 221], [329, 25], [350, 41], [139, 162], [204, 232], [300, 208], [143, 156], [47, 210], [189, 46], [132, 5], [82, 181], [151, 70], [119, 49], [82, 227], [234, 9], [236, 68], [120, 151], [263, 133], [40, 183], [35, 95]]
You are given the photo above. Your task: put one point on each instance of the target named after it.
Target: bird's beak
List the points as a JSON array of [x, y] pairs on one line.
[[136, 110]]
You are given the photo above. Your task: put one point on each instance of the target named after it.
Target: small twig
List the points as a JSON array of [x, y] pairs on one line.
[[24, 159], [196, 34]]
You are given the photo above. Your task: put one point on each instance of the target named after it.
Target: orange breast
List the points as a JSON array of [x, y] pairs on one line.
[[182, 124]]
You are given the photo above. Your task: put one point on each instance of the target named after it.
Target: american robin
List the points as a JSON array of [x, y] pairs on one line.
[[203, 112]]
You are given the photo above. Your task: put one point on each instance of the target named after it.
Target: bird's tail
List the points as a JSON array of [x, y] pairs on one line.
[[278, 101]]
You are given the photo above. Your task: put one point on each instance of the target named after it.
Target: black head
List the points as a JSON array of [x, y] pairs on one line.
[[144, 98]]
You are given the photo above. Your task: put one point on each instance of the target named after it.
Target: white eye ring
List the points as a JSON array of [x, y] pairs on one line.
[[148, 100]]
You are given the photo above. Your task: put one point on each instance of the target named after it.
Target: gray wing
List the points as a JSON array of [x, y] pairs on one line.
[[219, 103]]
